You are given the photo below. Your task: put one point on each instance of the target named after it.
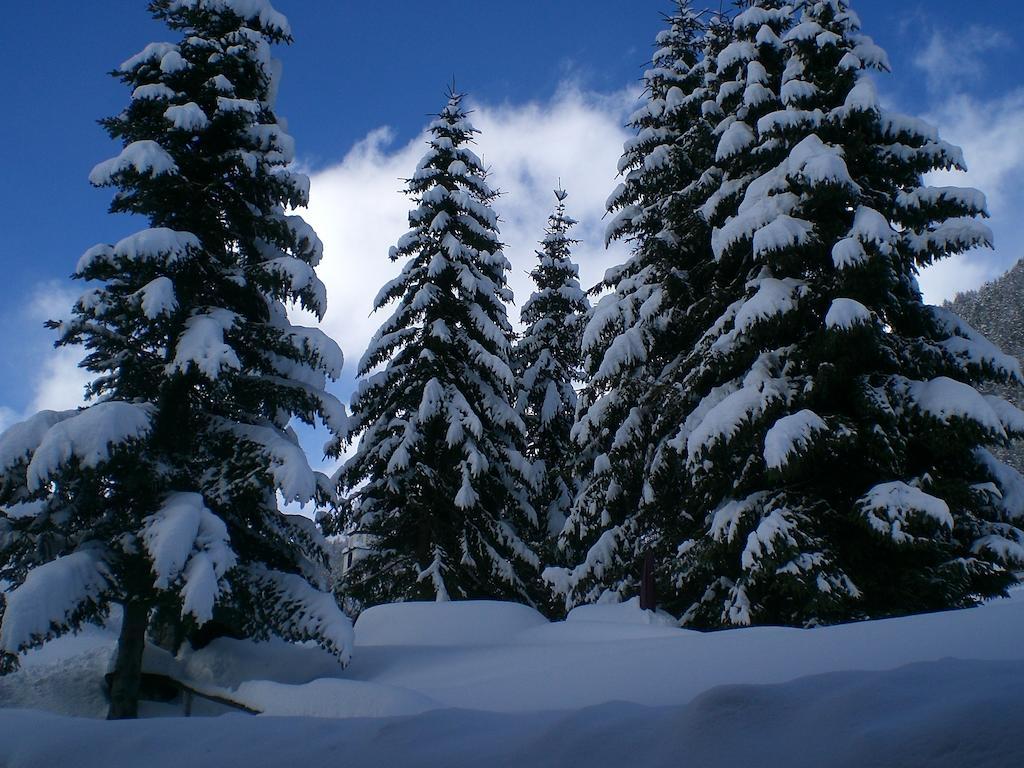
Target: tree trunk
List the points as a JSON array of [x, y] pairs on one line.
[[124, 681]]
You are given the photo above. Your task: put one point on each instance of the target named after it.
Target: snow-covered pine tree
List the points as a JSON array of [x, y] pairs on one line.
[[642, 323], [836, 451], [161, 496], [547, 364], [996, 310], [439, 484]]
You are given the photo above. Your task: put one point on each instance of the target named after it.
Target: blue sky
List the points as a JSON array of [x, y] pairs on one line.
[[551, 82]]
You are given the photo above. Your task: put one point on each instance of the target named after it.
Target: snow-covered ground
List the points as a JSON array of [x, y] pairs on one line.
[[494, 684]]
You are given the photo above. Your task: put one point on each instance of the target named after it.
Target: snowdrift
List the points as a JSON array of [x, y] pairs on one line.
[[496, 684]]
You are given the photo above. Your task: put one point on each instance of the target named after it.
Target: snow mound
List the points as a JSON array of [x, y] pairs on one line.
[[628, 612], [227, 663], [332, 697], [68, 685], [466, 622]]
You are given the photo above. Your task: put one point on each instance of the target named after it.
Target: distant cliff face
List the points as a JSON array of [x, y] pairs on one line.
[[997, 310]]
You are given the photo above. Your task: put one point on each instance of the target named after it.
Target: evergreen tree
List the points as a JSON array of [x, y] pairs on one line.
[[835, 451], [642, 323], [160, 496], [997, 312], [547, 363], [439, 484]]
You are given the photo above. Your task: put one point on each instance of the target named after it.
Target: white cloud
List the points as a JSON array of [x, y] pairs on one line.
[[58, 383], [953, 60], [988, 128], [577, 139], [7, 418], [359, 211], [51, 377], [989, 131]]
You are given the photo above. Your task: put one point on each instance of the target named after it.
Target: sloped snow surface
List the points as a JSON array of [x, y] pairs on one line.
[[469, 684], [937, 714]]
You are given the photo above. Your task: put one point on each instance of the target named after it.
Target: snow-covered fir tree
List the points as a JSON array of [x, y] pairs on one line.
[[996, 310], [642, 323], [547, 364], [836, 448], [161, 496], [439, 485]]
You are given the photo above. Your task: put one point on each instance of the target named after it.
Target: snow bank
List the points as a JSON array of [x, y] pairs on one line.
[[946, 714], [228, 663], [463, 623], [63, 677], [484, 683], [569, 665]]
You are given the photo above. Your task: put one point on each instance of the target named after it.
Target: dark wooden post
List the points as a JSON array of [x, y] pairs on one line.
[[648, 598]]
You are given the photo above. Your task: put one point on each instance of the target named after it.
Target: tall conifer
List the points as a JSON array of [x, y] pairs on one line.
[[640, 325], [547, 365], [438, 487], [836, 448], [160, 496]]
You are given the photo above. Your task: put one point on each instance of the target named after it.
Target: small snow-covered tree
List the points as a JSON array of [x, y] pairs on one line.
[[547, 363], [161, 496], [836, 446], [642, 322], [438, 487]]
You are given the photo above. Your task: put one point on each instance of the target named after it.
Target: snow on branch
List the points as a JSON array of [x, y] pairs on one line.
[[54, 596], [289, 466], [1009, 481], [20, 441], [944, 399], [151, 52], [157, 298], [155, 244], [201, 345], [891, 508], [260, 11], [844, 314], [435, 574], [144, 157], [791, 435], [90, 436], [724, 420], [188, 543], [297, 611]]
